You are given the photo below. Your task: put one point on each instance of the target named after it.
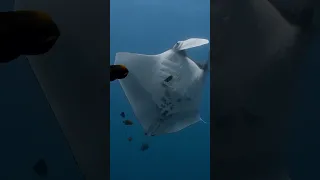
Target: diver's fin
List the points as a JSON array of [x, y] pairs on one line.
[[190, 43]]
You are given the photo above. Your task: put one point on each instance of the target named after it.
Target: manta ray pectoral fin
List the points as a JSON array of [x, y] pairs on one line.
[[190, 43], [140, 65]]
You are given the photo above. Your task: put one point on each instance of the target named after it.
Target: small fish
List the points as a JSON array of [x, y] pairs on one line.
[[129, 139], [118, 72], [144, 147], [127, 122], [122, 114]]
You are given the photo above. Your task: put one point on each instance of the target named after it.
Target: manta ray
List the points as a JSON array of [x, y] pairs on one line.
[[164, 90], [257, 45]]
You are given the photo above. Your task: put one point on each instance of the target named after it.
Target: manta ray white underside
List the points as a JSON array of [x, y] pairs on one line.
[[164, 90]]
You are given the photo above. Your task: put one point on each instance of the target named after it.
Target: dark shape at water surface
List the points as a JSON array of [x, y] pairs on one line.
[[144, 147], [41, 168], [127, 122], [122, 114], [129, 139]]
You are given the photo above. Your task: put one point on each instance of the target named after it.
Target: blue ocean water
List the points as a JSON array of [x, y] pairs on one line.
[[152, 27]]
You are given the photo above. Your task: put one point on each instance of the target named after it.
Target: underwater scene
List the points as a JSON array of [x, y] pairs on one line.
[[139, 99], [151, 28]]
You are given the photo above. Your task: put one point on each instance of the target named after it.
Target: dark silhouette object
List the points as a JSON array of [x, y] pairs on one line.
[[26, 33], [146, 134], [144, 147], [127, 122], [118, 72], [122, 115], [129, 139], [168, 79], [41, 168]]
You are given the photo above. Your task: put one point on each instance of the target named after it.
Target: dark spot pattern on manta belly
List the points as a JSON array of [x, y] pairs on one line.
[[168, 79], [163, 99], [167, 94], [164, 85], [165, 113]]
